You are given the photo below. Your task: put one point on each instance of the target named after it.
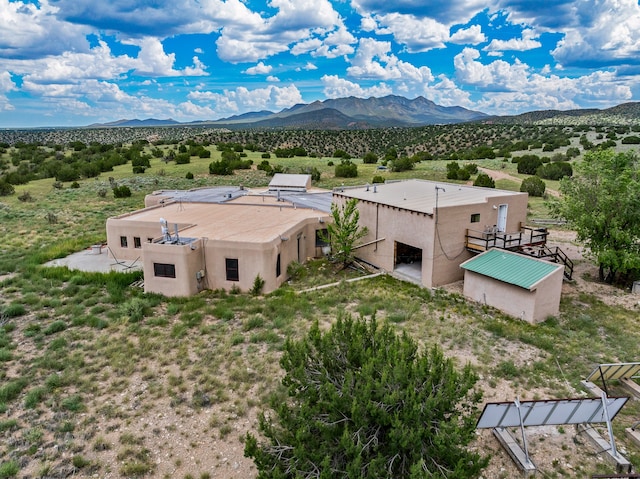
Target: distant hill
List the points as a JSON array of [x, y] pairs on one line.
[[352, 112], [392, 111], [626, 113], [135, 123], [340, 113]]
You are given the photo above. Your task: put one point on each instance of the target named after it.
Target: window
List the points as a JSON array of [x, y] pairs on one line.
[[475, 218], [278, 269], [320, 235], [164, 270], [123, 241], [136, 242], [232, 269]]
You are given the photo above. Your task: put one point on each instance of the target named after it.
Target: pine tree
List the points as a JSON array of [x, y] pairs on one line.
[[364, 402]]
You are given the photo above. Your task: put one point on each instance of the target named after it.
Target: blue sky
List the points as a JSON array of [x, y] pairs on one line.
[[77, 62]]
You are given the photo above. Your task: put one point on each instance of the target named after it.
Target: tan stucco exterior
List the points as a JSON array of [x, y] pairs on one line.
[[405, 213], [252, 233], [534, 305]]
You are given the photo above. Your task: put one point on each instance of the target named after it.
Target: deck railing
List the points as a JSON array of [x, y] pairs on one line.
[[530, 241]]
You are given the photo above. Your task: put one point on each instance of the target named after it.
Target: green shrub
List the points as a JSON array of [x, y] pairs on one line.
[[122, 191], [463, 174], [6, 189], [73, 403], [346, 169], [534, 186], [220, 168], [13, 310], [631, 140], [485, 181], [258, 285], [79, 462], [9, 469], [472, 168], [528, 164], [34, 397], [55, 327], [135, 309], [453, 168], [8, 425], [370, 158], [555, 171], [403, 163], [12, 389], [377, 179], [296, 270]]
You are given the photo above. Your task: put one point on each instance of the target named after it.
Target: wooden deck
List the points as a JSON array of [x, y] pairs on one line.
[[528, 241]]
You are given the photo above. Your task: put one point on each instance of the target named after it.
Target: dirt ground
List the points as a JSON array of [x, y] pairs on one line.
[[556, 451], [183, 442]]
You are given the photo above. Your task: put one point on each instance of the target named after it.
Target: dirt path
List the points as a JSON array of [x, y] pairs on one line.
[[501, 175]]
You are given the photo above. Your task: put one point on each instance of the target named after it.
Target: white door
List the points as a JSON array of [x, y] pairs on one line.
[[502, 218]]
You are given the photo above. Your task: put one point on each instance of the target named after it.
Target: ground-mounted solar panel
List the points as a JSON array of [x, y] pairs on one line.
[[550, 412], [605, 372]]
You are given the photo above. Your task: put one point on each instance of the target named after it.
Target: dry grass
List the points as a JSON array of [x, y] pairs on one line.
[[101, 379]]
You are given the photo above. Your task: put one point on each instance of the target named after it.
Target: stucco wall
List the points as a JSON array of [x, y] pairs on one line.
[[187, 259], [531, 306], [298, 243], [394, 225], [118, 227], [548, 296], [443, 249]]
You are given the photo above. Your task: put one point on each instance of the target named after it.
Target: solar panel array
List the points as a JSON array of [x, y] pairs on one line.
[[549, 412]]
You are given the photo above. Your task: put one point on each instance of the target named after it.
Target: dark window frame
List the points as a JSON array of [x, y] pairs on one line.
[[232, 269], [475, 218], [164, 270], [123, 242], [320, 242], [137, 242]]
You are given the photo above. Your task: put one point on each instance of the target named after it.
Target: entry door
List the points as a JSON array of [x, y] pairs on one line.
[[502, 218]]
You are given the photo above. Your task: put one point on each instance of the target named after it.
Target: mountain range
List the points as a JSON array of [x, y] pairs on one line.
[[388, 111], [339, 113]]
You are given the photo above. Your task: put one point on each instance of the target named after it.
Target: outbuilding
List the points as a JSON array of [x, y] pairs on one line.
[[521, 286]]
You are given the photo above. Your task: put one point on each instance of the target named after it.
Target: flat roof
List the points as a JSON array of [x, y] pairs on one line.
[[286, 180], [209, 194], [248, 223], [512, 268], [420, 195], [316, 198]]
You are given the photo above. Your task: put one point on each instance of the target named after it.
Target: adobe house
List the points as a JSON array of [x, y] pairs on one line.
[[218, 238], [424, 229], [521, 286]]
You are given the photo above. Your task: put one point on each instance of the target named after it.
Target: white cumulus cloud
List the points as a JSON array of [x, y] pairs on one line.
[[336, 87], [468, 36], [242, 99], [259, 69]]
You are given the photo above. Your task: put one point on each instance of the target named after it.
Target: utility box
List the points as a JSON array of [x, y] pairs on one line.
[[636, 287]]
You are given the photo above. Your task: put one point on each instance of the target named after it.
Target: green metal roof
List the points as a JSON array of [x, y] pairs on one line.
[[512, 268]]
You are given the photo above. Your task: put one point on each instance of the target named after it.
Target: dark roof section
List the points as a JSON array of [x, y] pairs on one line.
[[320, 200]]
